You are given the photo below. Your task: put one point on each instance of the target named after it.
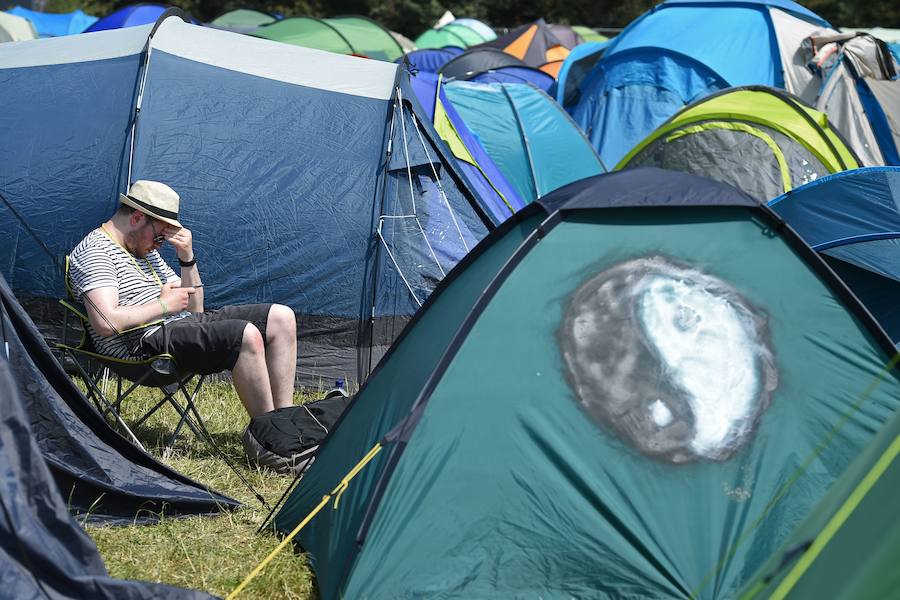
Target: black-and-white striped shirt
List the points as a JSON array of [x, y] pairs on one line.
[[97, 261]]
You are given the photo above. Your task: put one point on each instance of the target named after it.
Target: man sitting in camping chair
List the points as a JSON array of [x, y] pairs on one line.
[[138, 307]]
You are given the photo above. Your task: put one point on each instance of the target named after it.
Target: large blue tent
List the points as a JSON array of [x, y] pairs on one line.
[[852, 218], [681, 51], [55, 24], [302, 179]]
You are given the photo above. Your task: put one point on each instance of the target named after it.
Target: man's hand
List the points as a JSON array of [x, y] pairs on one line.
[[182, 241], [175, 298]]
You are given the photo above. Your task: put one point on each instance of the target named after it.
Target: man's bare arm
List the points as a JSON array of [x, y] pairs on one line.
[[107, 317]]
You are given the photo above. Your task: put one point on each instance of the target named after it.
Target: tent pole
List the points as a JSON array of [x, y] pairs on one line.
[[512, 104]]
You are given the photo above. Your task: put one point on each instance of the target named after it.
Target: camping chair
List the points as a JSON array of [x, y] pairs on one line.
[[160, 372]]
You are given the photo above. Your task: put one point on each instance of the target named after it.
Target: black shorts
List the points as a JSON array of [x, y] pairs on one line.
[[207, 342]]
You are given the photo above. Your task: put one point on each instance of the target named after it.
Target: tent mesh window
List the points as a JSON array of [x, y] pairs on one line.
[[754, 158]]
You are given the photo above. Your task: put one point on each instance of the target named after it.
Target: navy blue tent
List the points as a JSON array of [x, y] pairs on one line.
[[308, 178], [852, 219], [430, 60], [516, 74], [43, 551]]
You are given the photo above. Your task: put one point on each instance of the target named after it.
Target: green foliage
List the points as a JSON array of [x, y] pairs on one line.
[[412, 17]]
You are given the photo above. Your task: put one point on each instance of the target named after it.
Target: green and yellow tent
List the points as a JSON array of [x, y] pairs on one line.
[[761, 140]]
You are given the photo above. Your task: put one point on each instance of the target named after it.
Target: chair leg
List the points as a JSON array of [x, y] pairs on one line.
[[99, 398], [198, 426]]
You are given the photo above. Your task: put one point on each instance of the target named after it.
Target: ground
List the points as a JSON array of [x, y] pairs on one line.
[[212, 554]]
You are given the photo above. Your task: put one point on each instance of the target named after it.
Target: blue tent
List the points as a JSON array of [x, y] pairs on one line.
[[499, 199], [574, 69], [430, 60], [681, 51], [852, 218], [527, 134], [53, 24], [129, 16], [303, 180], [516, 74]]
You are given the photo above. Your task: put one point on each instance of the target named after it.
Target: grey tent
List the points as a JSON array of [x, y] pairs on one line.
[[861, 94]]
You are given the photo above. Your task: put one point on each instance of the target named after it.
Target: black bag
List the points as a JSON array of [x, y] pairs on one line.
[[286, 439]]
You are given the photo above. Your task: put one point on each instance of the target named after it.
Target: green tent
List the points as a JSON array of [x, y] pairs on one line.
[[588, 35], [760, 140], [242, 20], [849, 549], [452, 34], [636, 387], [343, 35]]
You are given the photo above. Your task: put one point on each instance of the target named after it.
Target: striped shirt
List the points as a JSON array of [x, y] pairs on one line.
[[97, 261]]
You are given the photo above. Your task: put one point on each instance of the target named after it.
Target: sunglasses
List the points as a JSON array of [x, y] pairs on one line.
[[158, 238]]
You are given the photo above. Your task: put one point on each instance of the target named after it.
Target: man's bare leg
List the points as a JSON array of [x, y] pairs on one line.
[[250, 376], [281, 354]]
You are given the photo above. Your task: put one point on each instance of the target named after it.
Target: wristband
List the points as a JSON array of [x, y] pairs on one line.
[[164, 307], [188, 263]]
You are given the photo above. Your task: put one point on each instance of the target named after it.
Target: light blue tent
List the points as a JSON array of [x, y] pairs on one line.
[[526, 133], [852, 219], [303, 181], [575, 68], [683, 50], [55, 24]]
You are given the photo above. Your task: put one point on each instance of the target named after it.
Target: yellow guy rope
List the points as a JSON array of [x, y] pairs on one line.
[[336, 493]]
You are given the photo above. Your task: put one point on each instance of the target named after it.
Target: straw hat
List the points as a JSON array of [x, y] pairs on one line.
[[154, 199]]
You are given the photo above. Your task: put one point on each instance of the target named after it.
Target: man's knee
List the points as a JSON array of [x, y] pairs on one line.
[[252, 340], [282, 320]]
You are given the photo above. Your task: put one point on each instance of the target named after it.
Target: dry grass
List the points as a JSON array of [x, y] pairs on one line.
[[213, 554]]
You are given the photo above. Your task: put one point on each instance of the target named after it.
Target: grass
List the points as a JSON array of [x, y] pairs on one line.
[[212, 554]]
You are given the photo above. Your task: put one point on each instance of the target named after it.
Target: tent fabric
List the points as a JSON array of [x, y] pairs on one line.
[[535, 44], [43, 551], [528, 136], [853, 219], [452, 34], [482, 29], [343, 35], [516, 74], [498, 198], [243, 20], [626, 96], [55, 24], [573, 71], [760, 140], [104, 477], [720, 43], [861, 95], [571, 504], [16, 29], [848, 547], [589, 35], [476, 61], [430, 60], [129, 16], [279, 157]]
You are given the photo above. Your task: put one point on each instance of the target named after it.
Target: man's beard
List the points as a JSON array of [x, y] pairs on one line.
[[132, 245]]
